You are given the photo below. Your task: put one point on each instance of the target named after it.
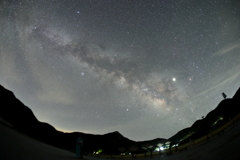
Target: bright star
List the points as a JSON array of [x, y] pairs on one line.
[[174, 79]]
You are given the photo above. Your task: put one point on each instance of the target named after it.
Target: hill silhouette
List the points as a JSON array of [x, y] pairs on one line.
[[226, 110], [21, 118]]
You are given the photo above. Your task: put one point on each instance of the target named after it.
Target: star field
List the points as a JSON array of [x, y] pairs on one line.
[[144, 68]]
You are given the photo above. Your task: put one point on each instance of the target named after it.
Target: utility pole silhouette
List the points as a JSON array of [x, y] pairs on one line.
[[224, 95]]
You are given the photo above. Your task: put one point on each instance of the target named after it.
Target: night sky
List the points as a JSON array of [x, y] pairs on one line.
[[144, 68]]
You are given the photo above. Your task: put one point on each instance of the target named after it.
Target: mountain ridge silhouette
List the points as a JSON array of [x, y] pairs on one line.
[[23, 119], [225, 111]]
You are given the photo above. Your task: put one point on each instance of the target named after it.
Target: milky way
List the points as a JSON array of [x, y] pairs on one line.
[[144, 68]]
